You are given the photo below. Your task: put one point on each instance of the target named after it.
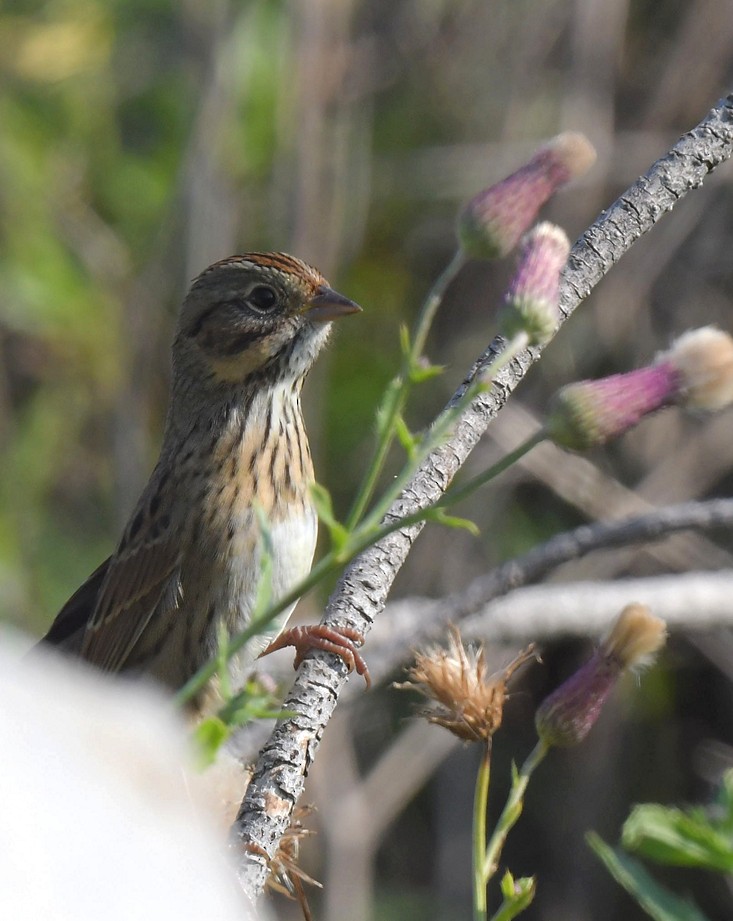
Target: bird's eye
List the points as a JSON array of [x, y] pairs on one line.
[[262, 298]]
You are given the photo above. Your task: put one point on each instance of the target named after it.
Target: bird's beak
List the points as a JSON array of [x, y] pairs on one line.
[[328, 304]]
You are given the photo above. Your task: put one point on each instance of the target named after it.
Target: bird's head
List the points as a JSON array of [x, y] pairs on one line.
[[258, 315]]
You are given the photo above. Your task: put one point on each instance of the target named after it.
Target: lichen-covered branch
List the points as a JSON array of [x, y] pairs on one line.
[[365, 585]]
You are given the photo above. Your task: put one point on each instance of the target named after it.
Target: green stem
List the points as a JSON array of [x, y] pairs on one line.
[[403, 385], [372, 534], [456, 493], [437, 434], [432, 302], [512, 810], [480, 806]]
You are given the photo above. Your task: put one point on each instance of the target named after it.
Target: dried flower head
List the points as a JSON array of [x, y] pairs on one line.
[[532, 303], [467, 700], [635, 637], [568, 714], [703, 361], [285, 876], [696, 372], [492, 223]]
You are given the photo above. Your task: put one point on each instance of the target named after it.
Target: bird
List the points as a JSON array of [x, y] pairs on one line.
[[234, 450]]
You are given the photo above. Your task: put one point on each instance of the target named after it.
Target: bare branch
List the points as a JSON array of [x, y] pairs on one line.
[[695, 601], [415, 621], [363, 589]]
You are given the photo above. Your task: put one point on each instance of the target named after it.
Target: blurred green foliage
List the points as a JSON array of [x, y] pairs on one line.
[[141, 140], [669, 836]]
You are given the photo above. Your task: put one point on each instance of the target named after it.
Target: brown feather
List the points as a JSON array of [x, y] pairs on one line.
[[67, 630], [136, 581]]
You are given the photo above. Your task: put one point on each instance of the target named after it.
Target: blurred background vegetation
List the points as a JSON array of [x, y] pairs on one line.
[[141, 140]]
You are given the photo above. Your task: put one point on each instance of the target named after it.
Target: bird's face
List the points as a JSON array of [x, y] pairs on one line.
[[256, 314]]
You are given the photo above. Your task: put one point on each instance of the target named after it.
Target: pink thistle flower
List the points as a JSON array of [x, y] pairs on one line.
[[566, 717], [532, 303], [493, 222], [696, 373]]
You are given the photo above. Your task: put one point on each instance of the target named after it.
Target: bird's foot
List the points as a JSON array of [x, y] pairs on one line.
[[342, 641]]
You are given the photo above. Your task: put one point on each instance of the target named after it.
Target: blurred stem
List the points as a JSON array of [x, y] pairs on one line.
[[436, 435], [401, 386], [513, 906], [465, 489], [512, 810], [480, 806], [432, 302]]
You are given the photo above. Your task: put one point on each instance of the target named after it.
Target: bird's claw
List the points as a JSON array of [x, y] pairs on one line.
[[343, 642]]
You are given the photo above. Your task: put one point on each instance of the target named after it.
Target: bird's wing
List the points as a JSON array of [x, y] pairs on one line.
[[105, 618], [139, 576], [71, 621]]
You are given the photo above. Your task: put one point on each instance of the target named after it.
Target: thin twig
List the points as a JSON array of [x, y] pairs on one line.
[[418, 621]]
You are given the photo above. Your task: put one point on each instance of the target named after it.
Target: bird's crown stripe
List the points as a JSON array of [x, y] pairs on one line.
[[280, 261]]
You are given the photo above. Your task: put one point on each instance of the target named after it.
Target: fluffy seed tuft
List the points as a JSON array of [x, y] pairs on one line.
[[703, 358]]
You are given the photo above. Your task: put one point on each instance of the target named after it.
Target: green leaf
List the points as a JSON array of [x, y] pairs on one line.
[[253, 702], [659, 903], [518, 895], [405, 343], [418, 369], [387, 406], [324, 509], [422, 370], [405, 437], [208, 738], [507, 885], [676, 837], [440, 516]]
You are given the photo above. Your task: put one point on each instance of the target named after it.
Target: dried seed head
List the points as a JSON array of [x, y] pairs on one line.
[[703, 359], [466, 699], [532, 303], [566, 717], [492, 223], [285, 876]]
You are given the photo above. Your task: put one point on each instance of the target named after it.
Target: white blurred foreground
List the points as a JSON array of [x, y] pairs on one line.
[[98, 819]]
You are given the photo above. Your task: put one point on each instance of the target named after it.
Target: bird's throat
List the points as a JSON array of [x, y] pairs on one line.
[[263, 452]]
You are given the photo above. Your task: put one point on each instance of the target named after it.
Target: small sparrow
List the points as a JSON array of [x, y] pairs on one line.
[[234, 447]]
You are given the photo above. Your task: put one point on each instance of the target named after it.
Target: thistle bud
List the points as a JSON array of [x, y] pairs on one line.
[[696, 373], [492, 223], [532, 303], [566, 717]]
